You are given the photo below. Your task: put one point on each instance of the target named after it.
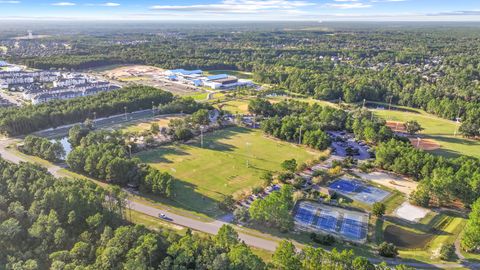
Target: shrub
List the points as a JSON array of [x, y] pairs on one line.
[[387, 250], [283, 177], [447, 252], [257, 189], [227, 204], [241, 214], [378, 209], [327, 239]]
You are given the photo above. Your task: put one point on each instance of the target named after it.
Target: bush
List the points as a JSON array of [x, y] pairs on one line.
[[378, 209], [227, 204], [326, 240], [298, 182], [447, 252], [257, 189], [241, 214], [387, 250], [283, 177]]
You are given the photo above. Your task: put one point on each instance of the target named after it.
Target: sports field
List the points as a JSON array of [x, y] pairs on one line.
[[438, 130], [235, 106], [220, 168]]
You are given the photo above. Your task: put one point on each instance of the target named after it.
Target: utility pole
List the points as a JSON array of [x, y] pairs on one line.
[[300, 138]]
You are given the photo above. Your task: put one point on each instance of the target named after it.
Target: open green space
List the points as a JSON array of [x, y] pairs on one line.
[[420, 241], [198, 96], [145, 124], [437, 129], [231, 161], [235, 106]]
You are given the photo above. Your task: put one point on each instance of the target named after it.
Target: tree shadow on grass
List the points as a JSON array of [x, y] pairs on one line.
[[187, 198], [158, 155]]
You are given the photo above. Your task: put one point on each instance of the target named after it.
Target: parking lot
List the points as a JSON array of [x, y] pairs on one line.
[[345, 144], [315, 217]]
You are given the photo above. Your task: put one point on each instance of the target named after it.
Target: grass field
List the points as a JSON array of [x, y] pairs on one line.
[[206, 174], [437, 129], [139, 126], [235, 106]]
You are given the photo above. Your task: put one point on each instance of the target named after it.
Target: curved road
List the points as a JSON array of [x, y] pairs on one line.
[[255, 239]]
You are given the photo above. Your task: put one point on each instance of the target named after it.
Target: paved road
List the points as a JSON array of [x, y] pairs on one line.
[[207, 227], [257, 240]]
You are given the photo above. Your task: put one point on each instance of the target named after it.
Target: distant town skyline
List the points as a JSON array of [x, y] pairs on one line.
[[312, 10]]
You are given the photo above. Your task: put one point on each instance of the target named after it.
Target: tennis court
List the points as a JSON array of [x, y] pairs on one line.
[[327, 220], [305, 214], [353, 226], [359, 191], [321, 218]]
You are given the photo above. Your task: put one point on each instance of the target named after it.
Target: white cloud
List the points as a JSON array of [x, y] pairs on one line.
[[110, 4], [238, 6], [349, 5], [387, 1], [64, 4], [10, 2]]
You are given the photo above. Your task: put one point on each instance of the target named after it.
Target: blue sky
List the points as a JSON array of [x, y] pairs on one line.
[[317, 10]]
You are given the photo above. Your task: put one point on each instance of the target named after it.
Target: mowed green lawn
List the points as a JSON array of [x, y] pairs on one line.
[[206, 174], [437, 129]]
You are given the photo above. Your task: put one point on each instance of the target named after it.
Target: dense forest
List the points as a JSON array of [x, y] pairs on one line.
[[433, 68], [442, 181], [24, 120], [48, 223], [296, 121], [105, 155]]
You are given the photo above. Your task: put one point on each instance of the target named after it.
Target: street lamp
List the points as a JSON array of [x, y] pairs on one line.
[[125, 107]]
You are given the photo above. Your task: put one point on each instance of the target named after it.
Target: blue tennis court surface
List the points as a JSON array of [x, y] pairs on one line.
[[327, 220], [305, 215], [348, 224], [359, 191], [352, 227]]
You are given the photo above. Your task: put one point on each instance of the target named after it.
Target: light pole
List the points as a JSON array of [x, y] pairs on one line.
[[153, 109], [94, 118], [363, 106], [130, 150], [125, 107], [201, 136], [248, 164], [390, 103]]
